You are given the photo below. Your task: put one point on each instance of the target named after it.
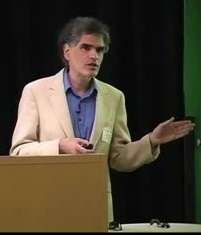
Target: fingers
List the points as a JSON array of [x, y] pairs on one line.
[[168, 121], [181, 134], [83, 146], [75, 146], [181, 124], [82, 142], [171, 119], [81, 149], [182, 128]]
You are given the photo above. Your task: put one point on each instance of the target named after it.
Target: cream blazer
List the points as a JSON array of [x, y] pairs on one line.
[[44, 118]]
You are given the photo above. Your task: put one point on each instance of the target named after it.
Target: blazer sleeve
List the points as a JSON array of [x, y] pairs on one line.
[[25, 140], [127, 155]]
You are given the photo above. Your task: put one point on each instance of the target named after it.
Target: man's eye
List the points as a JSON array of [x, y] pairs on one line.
[[100, 50], [85, 47]]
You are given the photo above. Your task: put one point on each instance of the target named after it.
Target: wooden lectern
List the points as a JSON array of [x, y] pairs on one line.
[[65, 193]]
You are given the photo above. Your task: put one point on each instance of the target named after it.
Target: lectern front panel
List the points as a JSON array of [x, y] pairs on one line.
[[53, 193]]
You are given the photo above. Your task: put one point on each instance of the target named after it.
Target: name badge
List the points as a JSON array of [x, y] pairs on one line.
[[107, 135]]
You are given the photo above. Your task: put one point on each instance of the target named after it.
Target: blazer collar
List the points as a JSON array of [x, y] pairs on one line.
[[100, 115], [59, 103]]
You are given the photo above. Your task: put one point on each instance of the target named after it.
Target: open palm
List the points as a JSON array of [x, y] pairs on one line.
[[170, 130]]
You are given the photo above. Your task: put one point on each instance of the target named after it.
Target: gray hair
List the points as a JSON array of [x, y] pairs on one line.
[[75, 28]]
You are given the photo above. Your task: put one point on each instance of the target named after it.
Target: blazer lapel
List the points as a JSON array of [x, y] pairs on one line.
[[59, 104], [99, 116]]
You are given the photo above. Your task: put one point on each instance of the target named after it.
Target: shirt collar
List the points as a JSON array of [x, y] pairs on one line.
[[67, 84]]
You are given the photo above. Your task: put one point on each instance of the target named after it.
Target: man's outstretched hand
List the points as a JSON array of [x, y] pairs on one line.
[[170, 130]]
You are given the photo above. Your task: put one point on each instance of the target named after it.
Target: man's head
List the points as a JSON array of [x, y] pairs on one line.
[[83, 35]]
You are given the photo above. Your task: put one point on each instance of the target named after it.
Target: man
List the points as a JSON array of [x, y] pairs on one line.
[[72, 111]]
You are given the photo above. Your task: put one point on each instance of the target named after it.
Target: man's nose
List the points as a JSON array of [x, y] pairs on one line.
[[94, 53]]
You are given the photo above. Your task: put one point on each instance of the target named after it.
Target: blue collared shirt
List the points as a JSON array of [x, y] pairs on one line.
[[82, 109]]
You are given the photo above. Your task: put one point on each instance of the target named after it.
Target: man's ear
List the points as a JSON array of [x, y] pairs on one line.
[[66, 49]]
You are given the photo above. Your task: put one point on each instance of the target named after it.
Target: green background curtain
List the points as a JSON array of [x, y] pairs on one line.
[[192, 84]]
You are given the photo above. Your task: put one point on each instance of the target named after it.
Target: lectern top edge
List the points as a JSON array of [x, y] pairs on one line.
[[63, 158]]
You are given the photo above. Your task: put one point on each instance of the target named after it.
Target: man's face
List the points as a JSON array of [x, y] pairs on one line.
[[85, 57]]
